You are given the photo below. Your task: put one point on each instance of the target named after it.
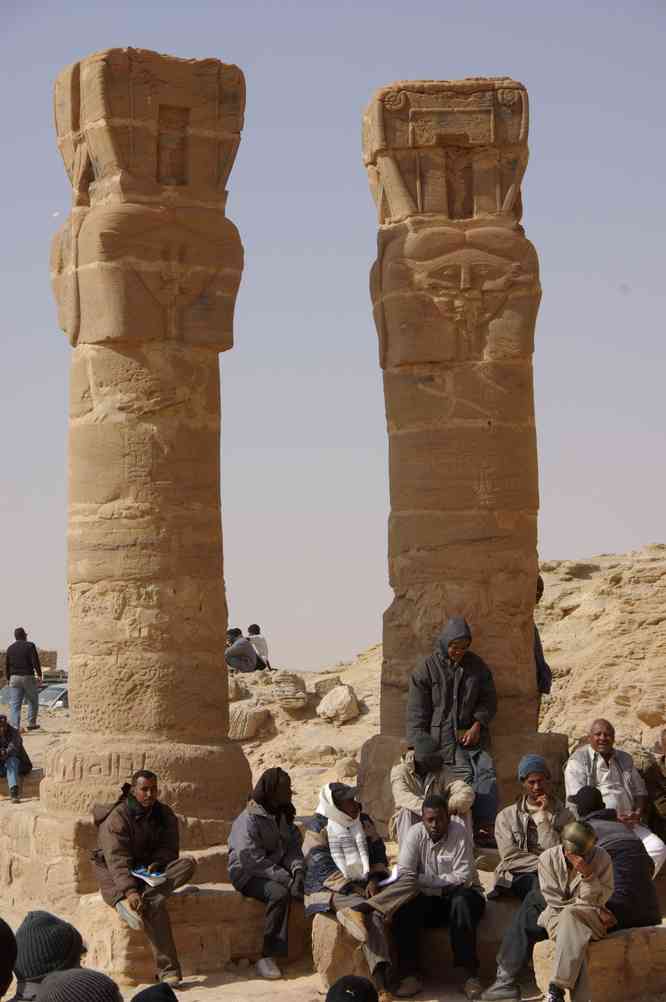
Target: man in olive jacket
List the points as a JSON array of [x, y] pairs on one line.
[[452, 697], [140, 832]]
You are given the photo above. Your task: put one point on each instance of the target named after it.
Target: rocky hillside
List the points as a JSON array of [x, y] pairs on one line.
[[603, 626]]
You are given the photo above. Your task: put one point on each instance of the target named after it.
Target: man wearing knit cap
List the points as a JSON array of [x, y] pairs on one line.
[[136, 832], [78, 986], [44, 943], [452, 698], [7, 956], [352, 989], [156, 993], [525, 829], [419, 774]]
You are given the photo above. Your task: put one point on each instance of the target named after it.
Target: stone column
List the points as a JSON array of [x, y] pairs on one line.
[[456, 290], [145, 273]]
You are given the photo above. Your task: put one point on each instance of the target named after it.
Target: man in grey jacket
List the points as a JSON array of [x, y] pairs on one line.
[[239, 654], [452, 698], [525, 829], [266, 861], [613, 773]]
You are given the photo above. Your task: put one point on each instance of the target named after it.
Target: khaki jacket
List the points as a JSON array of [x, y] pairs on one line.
[[562, 886], [511, 836], [410, 790]]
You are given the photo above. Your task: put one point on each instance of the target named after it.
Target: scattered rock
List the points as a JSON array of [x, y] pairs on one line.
[[236, 689], [246, 719], [289, 691], [339, 705], [347, 768], [324, 685], [334, 952]]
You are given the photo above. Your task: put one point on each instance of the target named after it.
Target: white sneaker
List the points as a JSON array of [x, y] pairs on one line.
[[267, 968]]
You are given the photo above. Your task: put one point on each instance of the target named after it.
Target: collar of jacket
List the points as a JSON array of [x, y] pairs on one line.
[[254, 808], [138, 812]]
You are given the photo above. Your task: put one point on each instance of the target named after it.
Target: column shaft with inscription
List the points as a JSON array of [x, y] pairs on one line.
[[456, 291], [145, 273]]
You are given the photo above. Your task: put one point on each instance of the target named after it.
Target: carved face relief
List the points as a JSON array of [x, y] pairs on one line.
[[441, 290]]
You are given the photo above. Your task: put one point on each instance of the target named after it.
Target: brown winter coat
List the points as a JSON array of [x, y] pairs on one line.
[[128, 838]]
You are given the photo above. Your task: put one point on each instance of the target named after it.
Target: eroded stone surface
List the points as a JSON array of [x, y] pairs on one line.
[[339, 705], [455, 290], [145, 273]]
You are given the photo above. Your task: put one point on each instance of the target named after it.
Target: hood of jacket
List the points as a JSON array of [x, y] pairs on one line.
[[330, 811], [606, 814], [457, 628]]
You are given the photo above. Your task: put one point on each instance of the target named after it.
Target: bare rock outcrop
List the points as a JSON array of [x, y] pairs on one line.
[[603, 627], [339, 705]]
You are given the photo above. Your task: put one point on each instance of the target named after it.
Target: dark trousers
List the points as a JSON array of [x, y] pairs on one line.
[[460, 909], [521, 886], [277, 899], [522, 934], [156, 921]]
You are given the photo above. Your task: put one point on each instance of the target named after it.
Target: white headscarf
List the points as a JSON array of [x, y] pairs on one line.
[[347, 841]]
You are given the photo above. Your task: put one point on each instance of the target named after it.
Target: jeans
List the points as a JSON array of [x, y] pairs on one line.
[[522, 934], [23, 687], [10, 768], [461, 909], [476, 768], [277, 899]]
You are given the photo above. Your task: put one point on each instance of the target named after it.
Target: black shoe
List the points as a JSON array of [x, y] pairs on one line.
[[554, 993], [14, 794], [33, 727]]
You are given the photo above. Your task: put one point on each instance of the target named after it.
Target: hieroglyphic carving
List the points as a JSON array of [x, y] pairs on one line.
[[145, 273], [455, 291]]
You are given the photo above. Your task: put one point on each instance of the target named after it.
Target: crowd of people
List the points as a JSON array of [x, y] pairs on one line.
[[579, 869]]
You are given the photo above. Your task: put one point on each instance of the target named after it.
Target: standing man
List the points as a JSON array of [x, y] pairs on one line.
[[21, 667], [600, 764], [439, 856], [525, 829], [14, 759], [544, 676], [452, 698], [139, 831]]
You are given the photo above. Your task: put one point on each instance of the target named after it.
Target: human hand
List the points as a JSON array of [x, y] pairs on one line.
[[154, 868], [579, 864], [471, 736], [542, 802], [631, 819], [607, 918], [135, 901], [297, 886]]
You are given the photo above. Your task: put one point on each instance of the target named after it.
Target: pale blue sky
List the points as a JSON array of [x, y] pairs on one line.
[[304, 483]]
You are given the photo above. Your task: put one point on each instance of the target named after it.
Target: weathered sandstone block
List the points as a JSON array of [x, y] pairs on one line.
[[455, 290], [289, 691], [324, 685], [626, 965], [339, 705], [246, 719]]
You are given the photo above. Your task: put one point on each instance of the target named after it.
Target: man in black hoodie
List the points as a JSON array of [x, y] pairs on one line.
[[21, 666], [634, 901], [452, 698]]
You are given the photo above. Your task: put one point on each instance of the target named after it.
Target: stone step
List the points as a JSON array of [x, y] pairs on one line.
[[625, 965], [212, 925], [212, 865]]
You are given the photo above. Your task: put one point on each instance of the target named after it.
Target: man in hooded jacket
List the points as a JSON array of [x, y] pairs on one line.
[[452, 698], [266, 861]]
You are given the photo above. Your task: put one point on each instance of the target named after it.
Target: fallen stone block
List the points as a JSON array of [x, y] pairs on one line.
[[630, 964], [334, 952], [289, 691], [339, 705], [246, 719], [322, 686]]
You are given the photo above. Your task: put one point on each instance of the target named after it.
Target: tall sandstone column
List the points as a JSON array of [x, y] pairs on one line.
[[456, 290], [145, 273]]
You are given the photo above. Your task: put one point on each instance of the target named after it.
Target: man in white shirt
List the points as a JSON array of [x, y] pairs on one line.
[[439, 854], [599, 764], [258, 641]]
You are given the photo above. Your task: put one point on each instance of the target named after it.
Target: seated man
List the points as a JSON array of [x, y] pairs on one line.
[[14, 759], [141, 832], [239, 654], [654, 776], [80, 983], [44, 943], [575, 882], [634, 901], [345, 860], [266, 861], [612, 771], [259, 642], [419, 774], [452, 698], [526, 828], [439, 856]]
